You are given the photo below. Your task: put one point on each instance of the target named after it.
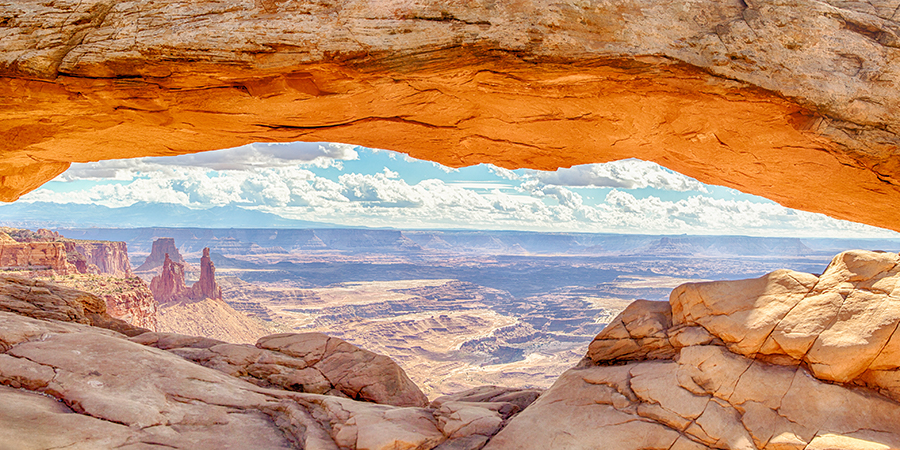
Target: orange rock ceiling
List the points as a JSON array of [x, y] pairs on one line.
[[798, 102]]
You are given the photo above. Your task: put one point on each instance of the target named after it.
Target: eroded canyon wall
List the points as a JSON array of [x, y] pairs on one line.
[[796, 100]]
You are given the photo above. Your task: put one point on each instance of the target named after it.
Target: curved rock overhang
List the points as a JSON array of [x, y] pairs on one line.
[[797, 101]]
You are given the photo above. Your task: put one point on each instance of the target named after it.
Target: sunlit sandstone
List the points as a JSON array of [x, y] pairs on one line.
[[795, 101]]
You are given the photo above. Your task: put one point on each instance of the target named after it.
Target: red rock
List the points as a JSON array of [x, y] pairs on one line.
[[106, 257], [206, 286], [168, 286]]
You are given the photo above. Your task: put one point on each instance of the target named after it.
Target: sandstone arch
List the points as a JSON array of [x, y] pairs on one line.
[[794, 100]]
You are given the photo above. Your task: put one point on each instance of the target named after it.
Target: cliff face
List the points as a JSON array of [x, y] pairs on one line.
[[162, 249], [795, 101], [50, 256], [788, 360], [109, 258]]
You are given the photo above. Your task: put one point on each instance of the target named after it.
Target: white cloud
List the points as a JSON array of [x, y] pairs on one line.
[[248, 157], [624, 174]]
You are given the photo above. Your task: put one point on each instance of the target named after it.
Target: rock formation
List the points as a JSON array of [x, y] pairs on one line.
[[162, 248], [308, 362], [112, 392], [127, 299], [50, 301], [39, 249], [206, 286], [169, 286], [795, 101], [788, 360]]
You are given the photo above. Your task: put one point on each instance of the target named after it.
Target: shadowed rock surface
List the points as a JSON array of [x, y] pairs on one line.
[[795, 101]]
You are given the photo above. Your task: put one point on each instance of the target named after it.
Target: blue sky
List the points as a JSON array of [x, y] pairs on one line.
[[358, 186]]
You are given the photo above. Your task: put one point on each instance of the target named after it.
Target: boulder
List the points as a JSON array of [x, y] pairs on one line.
[[306, 362]]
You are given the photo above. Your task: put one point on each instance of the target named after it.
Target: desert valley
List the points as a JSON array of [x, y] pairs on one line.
[[456, 309]]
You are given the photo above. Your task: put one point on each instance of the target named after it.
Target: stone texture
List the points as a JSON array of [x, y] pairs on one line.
[[785, 361], [169, 286], [101, 390], [206, 286], [35, 256], [50, 301], [307, 362], [794, 100], [128, 299]]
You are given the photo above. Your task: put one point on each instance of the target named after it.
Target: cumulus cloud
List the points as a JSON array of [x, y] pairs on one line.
[[283, 180], [248, 157], [624, 174]]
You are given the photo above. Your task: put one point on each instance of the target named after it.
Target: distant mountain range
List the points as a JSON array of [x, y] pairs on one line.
[[242, 241], [55, 215]]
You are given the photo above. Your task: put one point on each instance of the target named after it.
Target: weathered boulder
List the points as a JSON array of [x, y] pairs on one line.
[[795, 100], [785, 361], [307, 362], [101, 390]]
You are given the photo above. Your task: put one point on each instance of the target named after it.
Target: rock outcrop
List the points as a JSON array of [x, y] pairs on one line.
[[39, 250], [169, 286], [67, 384], [786, 361], [127, 299], [34, 256], [162, 249], [795, 101], [308, 362], [206, 286], [50, 301]]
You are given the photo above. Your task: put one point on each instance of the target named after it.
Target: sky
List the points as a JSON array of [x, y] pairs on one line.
[[357, 186]]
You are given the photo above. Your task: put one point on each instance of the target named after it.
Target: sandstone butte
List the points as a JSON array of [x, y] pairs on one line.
[[797, 101]]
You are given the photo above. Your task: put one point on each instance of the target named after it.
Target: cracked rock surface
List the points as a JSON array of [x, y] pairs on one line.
[[785, 361], [306, 362], [67, 384]]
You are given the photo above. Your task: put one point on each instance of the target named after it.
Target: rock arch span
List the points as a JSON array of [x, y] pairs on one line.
[[797, 101]]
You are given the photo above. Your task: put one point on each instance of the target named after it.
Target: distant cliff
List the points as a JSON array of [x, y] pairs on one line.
[[162, 248], [110, 258], [28, 256]]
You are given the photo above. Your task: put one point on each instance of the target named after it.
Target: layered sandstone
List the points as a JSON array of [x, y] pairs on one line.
[[112, 392], [127, 299], [162, 248], [169, 286], [103, 257], [31, 256], [786, 361], [206, 286], [307, 362], [795, 101]]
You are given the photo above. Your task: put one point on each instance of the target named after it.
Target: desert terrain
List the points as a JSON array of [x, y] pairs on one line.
[[454, 309]]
